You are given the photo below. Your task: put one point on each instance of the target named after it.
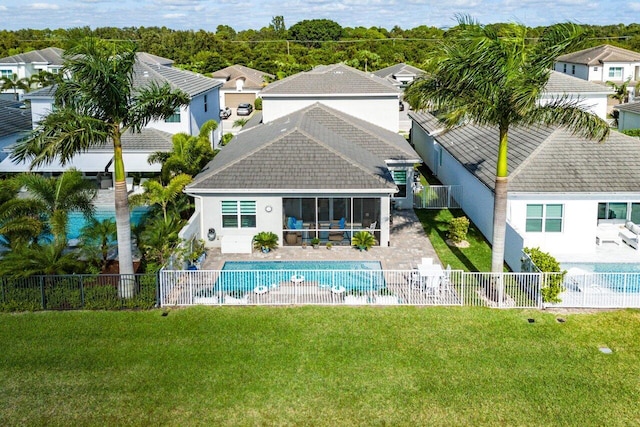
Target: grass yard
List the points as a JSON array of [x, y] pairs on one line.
[[319, 366]]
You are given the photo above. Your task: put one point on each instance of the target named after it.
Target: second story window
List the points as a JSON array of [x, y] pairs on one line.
[[205, 104], [564, 68], [174, 118], [615, 73], [573, 69], [6, 73]]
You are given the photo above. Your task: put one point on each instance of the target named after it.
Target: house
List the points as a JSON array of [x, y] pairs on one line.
[[601, 64], [591, 96], [15, 121], [204, 106], [628, 115], [316, 172], [28, 64], [240, 84], [339, 86], [563, 189], [400, 75]]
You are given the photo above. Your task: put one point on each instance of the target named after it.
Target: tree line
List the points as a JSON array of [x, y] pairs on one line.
[[283, 51]]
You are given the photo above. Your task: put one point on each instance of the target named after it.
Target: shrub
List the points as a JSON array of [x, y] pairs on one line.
[[548, 264], [458, 228], [631, 132], [226, 138], [363, 240], [258, 104], [265, 240]]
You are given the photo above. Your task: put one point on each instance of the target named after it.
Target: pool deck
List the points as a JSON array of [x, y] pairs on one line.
[[408, 245]]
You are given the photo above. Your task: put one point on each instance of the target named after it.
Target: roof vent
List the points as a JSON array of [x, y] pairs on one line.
[[145, 74]]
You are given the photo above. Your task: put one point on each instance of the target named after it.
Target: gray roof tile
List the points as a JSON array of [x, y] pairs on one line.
[[599, 55], [328, 80], [148, 139], [401, 68], [50, 56], [254, 79], [13, 118], [560, 83], [632, 107]]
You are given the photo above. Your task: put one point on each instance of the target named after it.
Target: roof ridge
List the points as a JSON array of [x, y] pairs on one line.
[[534, 153]]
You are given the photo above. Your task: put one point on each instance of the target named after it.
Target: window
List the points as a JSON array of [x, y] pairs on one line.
[[6, 73], [205, 103], [573, 69], [238, 214], [595, 68], [544, 218], [174, 118], [400, 178], [615, 73], [564, 68], [615, 210]]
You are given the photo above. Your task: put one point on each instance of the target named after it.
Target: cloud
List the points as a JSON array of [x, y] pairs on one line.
[[174, 15], [635, 6], [44, 6], [3, 8]]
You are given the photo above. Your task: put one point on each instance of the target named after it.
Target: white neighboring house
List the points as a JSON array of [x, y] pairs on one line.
[[601, 64], [240, 84], [562, 188], [25, 65], [204, 106], [400, 75], [314, 172], [339, 86], [15, 122], [592, 97]]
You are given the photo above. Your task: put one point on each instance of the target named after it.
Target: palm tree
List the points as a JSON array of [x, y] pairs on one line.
[[21, 219], [494, 77], [157, 194], [47, 259], [96, 106], [44, 79], [621, 92], [14, 83], [97, 237], [69, 192], [189, 154]]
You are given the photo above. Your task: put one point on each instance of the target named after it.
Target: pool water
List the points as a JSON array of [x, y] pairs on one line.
[[618, 277], [245, 276], [77, 220], [629, 267]]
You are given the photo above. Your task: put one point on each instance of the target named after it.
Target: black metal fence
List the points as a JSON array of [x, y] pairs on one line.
[[77, 292]]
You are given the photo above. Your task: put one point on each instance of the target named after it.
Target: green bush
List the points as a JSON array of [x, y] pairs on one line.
[[258, 104], [632, 132], [458, 228], [226, 138], [548, 264], [16, 298], [363, 240], [63, 297], [101, 297]]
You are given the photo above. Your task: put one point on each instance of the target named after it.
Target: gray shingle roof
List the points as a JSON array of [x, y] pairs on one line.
[[400, 68], [330, 80], [253, 79], [45, 92], [561, 83], [14, 119], [311, 149], [599, 55], [191, 83], [151, 59], [148, 139], [545, 159], [632, 107], [50, 55]]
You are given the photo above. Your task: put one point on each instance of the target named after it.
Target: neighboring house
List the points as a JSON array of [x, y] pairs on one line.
[[561, 187], [628, 115], [593, 97], [346, 89], [204, 106], [240, 84], [400, 75], [315, 172], [25, 65], [15, 122], [601, 64]]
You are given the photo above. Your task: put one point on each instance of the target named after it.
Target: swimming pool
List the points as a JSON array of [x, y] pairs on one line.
[[77, 220], [618, 277], [246, 276]]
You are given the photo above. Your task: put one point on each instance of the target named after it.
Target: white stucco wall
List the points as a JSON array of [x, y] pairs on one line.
[[581, 71], [379, 110], [593, 102]]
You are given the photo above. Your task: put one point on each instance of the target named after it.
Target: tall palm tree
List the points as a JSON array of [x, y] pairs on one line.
[[494, 77], [14, 83], [58, 196], [189, 154], [157, 194], [621, 92], [96, 106]]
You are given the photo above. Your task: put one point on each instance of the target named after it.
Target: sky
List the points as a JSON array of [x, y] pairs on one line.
[[255, 14]]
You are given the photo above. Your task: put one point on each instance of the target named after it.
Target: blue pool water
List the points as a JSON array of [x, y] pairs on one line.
[[352, 275], [77, 220], [619, 277]]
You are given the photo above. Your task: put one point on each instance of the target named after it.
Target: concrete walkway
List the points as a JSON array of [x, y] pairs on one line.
[[409, 244]]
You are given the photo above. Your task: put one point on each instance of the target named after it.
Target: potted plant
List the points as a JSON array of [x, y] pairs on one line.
[[363, 240], [329, 245], [315, 242], [265, 241]]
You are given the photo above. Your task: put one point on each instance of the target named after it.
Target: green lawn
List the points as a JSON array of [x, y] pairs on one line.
[[319, 366]]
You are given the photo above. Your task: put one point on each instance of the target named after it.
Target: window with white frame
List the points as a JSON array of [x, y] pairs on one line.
[[615, 73], [400, 178], [238, 214], [544, 218], [6, 73], [174, 118]]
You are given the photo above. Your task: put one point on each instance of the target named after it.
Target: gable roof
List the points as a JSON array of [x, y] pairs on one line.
[[151, 59], [544, 159], [253, 79], [147, 140], [336, 79], [599, 55], [631, 107], [316, 148], [560, 83], [15, 117], [50, 56], [398, 69]]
